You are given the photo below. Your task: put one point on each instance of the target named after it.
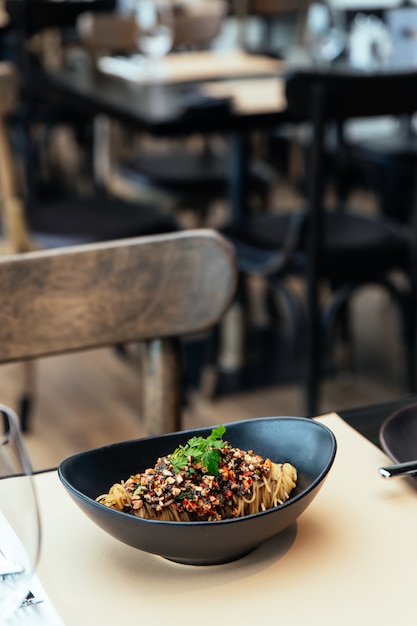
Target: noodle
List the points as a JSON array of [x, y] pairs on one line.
[[180, 487]]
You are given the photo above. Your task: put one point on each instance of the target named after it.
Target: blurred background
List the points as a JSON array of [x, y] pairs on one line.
[[90, 399]]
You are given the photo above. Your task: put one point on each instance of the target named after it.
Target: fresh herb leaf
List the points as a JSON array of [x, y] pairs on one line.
[[210, 459], [203, 450], [217, 434]]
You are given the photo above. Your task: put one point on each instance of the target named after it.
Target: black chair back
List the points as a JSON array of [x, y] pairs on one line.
[[352, 95]]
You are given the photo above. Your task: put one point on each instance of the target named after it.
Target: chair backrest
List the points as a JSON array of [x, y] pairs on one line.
[[107, 33], [270, 12], [195, 26], [337, 95], [30, 18], [198, 23], [146, 289], [322, 96], [348, 94], [273, 8]]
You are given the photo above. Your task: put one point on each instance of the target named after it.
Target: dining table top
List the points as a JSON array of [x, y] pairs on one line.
[[204, 91], [350, 556], [201, 91]]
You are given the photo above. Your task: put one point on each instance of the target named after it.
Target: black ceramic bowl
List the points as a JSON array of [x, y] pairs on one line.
[[308, 445]]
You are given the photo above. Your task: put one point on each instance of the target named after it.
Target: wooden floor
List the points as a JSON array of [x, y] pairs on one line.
[[91, 399]]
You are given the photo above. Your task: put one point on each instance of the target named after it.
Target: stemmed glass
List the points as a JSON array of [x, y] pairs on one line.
[[326, 33], [19, 517], [155, 22]]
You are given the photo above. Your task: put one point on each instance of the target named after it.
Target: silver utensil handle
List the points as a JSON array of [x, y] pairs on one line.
[[399, 469], [30, 600]]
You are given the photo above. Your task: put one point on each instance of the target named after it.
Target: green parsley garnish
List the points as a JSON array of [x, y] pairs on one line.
[[202, 450]]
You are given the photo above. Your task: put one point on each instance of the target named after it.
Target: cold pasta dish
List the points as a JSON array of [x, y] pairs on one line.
[[207, 479]]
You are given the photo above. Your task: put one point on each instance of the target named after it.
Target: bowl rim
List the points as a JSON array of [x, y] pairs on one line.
[[299, 496]]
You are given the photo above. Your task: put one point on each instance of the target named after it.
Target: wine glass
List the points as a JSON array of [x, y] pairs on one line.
[[371, 44], [155, 22], [19, 517]]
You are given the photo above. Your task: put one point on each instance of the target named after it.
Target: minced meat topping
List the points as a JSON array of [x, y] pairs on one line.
[[192, 489]]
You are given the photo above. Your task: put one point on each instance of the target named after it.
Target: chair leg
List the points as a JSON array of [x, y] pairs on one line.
[[210, 373], [120, 350], [406, 308], [25, 403], [227, 343], [409, 337], [337, 313], [407, 305], [24, 411], [162, 392], [295, 314]]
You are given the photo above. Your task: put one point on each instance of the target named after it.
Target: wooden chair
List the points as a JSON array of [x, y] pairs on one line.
[[195, 25], [152, 289]]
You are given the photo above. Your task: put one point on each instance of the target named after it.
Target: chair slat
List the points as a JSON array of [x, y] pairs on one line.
[[101, 294]]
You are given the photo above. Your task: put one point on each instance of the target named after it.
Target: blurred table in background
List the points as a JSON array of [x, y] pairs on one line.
[[185, 104], [34, 15]]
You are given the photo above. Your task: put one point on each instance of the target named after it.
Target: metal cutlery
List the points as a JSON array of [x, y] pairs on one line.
[[10, 568], [30, 600], [408, 468]]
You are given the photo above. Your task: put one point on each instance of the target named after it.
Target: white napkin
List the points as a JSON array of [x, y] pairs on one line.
[[42, 614], [133, 68]]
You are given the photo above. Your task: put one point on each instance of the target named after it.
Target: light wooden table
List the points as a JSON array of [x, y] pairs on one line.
[[350, 558]]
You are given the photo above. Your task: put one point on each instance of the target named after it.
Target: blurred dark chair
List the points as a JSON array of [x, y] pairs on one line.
[[61, 218], [190, 174], [39, 33], [153, 290], [385, 155], [275, 13], [386, 165], [341, 250]]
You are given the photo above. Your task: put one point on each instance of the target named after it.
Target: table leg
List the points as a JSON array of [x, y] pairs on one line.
[[315, 199], [240, 157], [234, 325]]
